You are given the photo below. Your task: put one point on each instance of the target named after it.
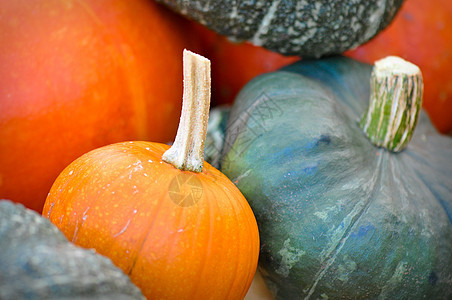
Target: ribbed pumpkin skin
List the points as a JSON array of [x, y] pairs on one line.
[[121, 200], [309, 28], [338, 217]]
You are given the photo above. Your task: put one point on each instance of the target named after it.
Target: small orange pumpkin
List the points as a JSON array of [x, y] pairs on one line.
[[176, 225]]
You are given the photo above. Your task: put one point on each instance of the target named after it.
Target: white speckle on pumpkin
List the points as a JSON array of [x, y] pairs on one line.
[[70, 172], [123, 229], [135, 190], [289, 257]]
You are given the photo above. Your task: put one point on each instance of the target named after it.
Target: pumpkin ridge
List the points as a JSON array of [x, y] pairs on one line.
[[237, 262], [331, 257], [116, 154], [63, 188], [75, 187], [208, 249], [153, 218], [250, 270], [248, 220]]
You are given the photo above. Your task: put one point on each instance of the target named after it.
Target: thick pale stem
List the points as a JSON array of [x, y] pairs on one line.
[[396, 90], [188, 148]]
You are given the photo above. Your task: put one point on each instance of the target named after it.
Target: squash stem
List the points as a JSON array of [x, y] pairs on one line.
[[396, 89], [188, 149]]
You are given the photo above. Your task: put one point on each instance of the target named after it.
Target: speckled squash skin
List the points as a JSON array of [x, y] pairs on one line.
[[338, 217], [310, 28], [38, 262]]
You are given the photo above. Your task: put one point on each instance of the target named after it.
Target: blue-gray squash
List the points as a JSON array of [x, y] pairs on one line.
[[348, 207], [38, 262]]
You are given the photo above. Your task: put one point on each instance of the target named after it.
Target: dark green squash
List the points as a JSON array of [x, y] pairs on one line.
[[308, 28], [38, 262], [340, 218]]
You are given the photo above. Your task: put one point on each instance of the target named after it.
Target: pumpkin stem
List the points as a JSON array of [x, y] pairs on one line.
[[188, 149], [396, 89]]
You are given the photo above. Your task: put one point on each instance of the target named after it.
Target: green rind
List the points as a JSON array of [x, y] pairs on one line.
[[338, 217], [308, 28], [38, 262]]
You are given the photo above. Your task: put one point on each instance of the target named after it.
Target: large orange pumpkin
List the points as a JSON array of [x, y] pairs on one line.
[[76, 75], [422, 33], [178, 227]]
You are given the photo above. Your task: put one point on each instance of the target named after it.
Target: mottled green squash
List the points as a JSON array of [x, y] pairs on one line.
[[339, 217], [38, 262], [310, 28]]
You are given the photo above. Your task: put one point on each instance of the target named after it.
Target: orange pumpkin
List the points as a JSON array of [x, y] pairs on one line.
[[77, 75], [422, 33], [182, 232]]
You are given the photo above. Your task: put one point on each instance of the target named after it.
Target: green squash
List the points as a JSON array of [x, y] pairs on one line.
[[38, 262], [339, 217], [308, 28]]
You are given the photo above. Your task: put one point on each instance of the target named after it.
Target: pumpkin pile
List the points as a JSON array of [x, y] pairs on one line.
[[321, 176]]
